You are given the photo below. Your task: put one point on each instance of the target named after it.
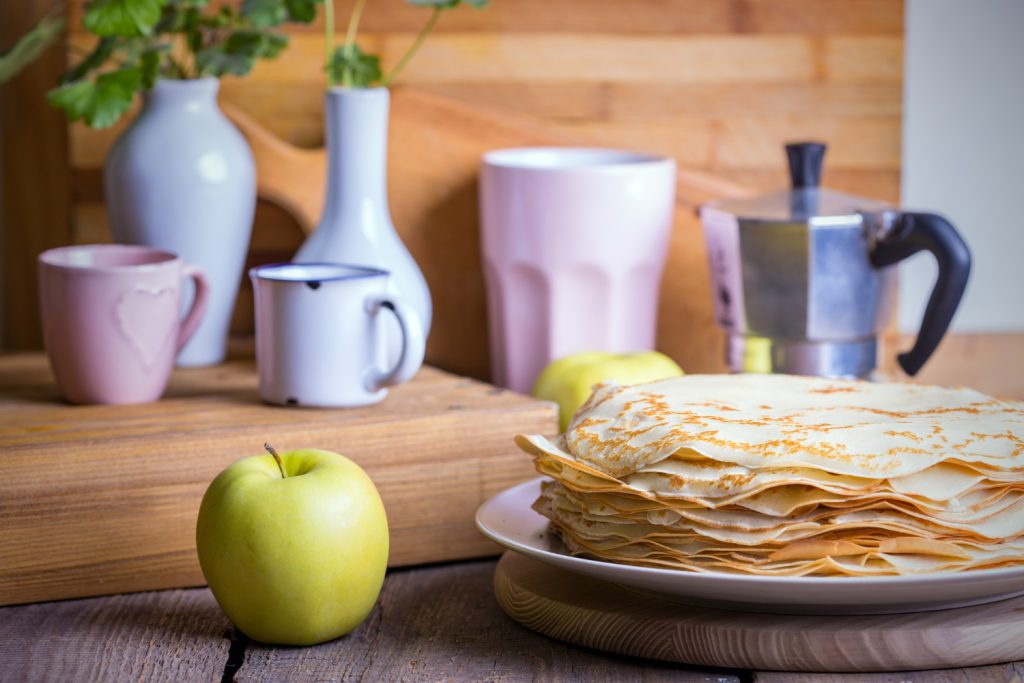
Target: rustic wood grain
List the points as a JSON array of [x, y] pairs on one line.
[[602, 615], [857, 143], [863, 59], [431, 624], [434, 206], [641, 17], [821, 81], [443, 624], [599, 58], [861, 122], [102, 499], [719, 84], [1000, 673], [712, 101], [168, 636], [35, 188], [875, 184]]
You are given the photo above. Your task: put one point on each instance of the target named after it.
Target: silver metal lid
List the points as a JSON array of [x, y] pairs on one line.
[[805, 201], [798, 205]]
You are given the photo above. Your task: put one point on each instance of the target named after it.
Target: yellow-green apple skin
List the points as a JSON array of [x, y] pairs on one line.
[[568, 381], [295, 560]]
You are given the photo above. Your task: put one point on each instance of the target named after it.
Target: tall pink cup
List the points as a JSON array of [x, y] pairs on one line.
[[574, 243], [111, 319]]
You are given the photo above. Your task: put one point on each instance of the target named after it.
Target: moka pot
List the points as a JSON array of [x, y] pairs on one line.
[[804, 279]]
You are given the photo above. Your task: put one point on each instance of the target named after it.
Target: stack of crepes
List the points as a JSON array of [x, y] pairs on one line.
[[786, 476]]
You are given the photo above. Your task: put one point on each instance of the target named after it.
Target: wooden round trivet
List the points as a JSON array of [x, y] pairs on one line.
[[604, 616]]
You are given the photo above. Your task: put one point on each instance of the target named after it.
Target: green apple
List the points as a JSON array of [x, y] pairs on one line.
[[568, 381], [294, 547]]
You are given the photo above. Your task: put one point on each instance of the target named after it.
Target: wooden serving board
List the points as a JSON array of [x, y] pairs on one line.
[[604, 616], [436, 146], [103, 499]]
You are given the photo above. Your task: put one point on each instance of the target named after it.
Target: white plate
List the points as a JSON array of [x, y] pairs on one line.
[[508, 520]]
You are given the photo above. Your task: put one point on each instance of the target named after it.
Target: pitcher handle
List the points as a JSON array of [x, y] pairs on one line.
[[931, 232], [195, 314], [413, 343]]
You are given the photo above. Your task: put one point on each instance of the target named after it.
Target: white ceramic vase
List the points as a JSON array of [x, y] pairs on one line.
[[356, 227], [182, 178]]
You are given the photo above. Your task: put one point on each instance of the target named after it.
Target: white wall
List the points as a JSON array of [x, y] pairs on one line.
[[963, 151]]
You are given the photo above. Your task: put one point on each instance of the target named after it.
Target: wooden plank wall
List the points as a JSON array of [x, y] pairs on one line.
[[35, 201], [718, 84]]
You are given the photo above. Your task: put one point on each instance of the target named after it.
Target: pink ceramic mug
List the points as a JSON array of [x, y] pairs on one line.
[[111, 319], [574, 242]]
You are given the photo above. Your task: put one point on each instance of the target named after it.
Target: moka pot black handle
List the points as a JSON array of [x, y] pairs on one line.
[[933, 233]]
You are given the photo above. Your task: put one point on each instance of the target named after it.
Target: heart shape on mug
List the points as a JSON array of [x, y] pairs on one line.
[[148, 318]]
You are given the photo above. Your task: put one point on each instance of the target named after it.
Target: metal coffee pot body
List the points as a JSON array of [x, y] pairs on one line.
[[804, 281]]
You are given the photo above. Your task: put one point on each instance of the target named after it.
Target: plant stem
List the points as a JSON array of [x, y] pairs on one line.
[[191, 68], [277, 458], [350, 41], [177, 67], [424, 32], [78, 50], [329, 38]]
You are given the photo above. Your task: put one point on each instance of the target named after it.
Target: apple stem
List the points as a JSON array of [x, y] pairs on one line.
[[277, 458]]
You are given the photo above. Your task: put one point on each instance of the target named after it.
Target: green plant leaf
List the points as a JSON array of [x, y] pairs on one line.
[[302, 11], [239, 52], [272, 13], [30, 46], [126, 18], [224, 18], [73, 97], [354, 68], [264, 13], [99, 103], [234, 56], [273, 45]]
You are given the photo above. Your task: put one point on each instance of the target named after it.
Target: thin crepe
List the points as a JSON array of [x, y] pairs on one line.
[[860, 429], [782, 475]]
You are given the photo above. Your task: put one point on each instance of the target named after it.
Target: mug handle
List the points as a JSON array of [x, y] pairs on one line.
[[413, 343], [199, 301]]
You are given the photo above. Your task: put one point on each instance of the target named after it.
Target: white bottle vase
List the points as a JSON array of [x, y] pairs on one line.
[[356, 227], [182, 178]]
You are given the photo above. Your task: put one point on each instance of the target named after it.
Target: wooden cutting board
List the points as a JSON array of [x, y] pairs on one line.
[[604, 616], [435, 147], [103, 499]]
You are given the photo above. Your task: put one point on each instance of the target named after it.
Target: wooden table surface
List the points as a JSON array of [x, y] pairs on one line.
[[432, 623]]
